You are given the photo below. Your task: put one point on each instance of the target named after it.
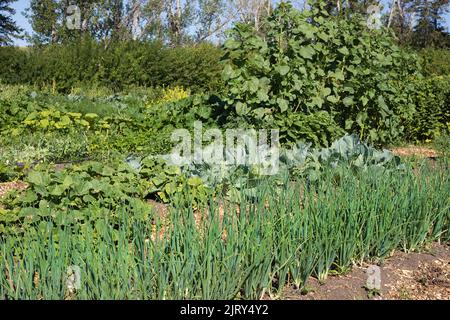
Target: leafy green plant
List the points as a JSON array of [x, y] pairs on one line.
[[168, 181], [307, 231], [86, 190], [431, 115], [54, 119], [347, 152], [435, 61], [309, 62], [93, 186]]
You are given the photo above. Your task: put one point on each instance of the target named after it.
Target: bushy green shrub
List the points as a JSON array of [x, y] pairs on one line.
[[117, 65], [14, 66], [310, 61], [431, 99], [435, 61]]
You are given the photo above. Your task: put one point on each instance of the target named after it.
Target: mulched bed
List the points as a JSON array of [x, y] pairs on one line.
[[413, 151]]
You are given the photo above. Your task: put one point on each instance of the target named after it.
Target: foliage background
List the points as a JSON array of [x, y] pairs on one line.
[[120, 65]]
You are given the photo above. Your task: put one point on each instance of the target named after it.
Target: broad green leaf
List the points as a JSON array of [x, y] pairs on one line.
[[91, 116], [383, 106], [282, 104], [348, 101], [44, 123], [27, 212], [195, 181], [88, 198], [262, 95], [84, 123], [36, 177], [364, 101], [68, 182], [261, 112], [323, 36], [228, 72], [282, 70], [241, 108], [338, 74], [253, 84], [306, 52], [232, 44], [317, 101], [325, 91], [307, 29], [57, 190], [361, 118], [75, 115], [65, 120], [173, 170], [29, 197], [344, 50], [170, 188], [348, 124], [333, 99]]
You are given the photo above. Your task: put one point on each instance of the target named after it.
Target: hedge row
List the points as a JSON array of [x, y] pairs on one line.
[[431, 100], [116, 66]]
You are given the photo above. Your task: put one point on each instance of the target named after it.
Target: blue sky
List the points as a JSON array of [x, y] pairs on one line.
[[22, 22], [21, 5]]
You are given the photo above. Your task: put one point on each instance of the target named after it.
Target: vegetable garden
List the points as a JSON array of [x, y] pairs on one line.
[[96, 191]]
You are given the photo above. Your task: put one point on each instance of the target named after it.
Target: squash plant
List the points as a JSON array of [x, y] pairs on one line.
[[166, 181], [94, 190], [53, 119], [80, 189]]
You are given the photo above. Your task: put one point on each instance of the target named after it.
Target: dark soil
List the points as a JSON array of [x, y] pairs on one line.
[[411, 276]]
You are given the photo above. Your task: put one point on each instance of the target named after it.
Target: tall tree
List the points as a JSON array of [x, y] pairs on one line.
[[169, 20], [44, 17], [349, 7], [419, 23], [430, 30], [211, 18], [134, 16], [153, 16], [8, 27], [401, 19], [252, 11]]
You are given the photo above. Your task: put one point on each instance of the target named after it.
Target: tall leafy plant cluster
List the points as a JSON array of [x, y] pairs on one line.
[[432, 108], [311, 64], [435, 61]]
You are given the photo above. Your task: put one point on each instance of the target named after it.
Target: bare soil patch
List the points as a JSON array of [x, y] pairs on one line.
[[414, 151], [404, 276]]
